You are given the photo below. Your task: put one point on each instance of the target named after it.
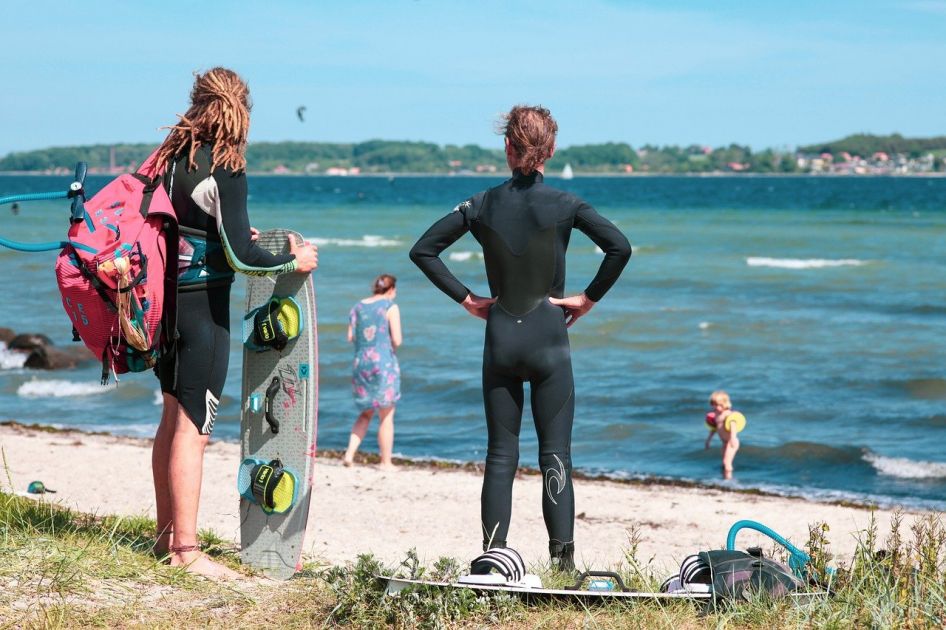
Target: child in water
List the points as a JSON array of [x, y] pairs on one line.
[[728, 423]]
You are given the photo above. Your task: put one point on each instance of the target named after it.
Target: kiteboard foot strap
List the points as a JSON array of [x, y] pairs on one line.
[[268, 484]]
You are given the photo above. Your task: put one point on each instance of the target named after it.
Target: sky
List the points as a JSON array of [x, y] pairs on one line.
[[763, 73]]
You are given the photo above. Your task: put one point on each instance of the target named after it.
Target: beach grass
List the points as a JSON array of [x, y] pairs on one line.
[[61, 568]]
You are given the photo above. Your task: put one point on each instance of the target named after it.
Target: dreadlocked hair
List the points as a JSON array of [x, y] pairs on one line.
[[219, 116]]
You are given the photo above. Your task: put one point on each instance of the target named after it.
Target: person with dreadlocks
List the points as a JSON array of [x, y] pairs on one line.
[[524, 227], [203, 160]]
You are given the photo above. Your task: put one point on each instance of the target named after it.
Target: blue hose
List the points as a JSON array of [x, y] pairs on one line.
[[34, 197], [32, 247], [76, 192]]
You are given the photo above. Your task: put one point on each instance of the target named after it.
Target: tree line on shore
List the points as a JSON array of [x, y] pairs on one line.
[[386, 156]]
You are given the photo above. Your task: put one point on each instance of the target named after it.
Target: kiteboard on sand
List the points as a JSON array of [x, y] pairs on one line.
[[279, 415]]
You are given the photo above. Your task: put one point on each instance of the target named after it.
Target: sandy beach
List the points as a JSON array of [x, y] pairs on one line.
[[435, 510]]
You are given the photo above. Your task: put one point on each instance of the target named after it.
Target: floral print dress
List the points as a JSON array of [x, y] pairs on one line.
[[376, 375]]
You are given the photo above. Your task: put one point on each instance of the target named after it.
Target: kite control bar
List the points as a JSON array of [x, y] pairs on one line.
[[77, 192]]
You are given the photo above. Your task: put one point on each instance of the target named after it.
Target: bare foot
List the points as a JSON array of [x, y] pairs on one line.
[[387, 467], [347, 461], [727, 473], [200, 563]]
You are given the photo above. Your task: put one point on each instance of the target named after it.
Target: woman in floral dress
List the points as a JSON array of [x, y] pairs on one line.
[[375, 329]]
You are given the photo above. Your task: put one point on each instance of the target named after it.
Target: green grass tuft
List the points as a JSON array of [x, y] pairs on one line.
[[60, 568]]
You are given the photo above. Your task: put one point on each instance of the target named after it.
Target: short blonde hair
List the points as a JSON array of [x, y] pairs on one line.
[[721, 397]]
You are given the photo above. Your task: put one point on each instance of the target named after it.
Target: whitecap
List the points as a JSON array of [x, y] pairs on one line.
[[803, 263], [367, 240], [464, 256], [11, 359], [904, 468], [60, 389]]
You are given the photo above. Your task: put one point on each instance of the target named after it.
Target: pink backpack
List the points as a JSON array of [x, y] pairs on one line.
[[118, 272]]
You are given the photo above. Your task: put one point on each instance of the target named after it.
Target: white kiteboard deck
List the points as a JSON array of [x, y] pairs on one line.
[[273, 542]]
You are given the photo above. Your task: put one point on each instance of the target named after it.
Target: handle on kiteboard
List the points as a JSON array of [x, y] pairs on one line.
[[271, 392], [598, 574]]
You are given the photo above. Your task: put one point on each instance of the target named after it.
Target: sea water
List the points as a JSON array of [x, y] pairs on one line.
[[819, 304]]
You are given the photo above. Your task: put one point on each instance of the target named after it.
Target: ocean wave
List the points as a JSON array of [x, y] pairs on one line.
[[938, 420], [11, 359], [927, 309], [825, 495], [821, 495], [60, 389], [367, 240], [803, 263], [464, 256], [809, 452], [926, 388], [904, 468]]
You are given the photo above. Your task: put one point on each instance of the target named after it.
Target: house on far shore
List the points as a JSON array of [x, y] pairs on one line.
[[341, 171]]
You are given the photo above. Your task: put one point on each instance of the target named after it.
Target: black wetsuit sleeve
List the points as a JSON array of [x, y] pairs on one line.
[[426, 252], [233, 224], [617, 249]]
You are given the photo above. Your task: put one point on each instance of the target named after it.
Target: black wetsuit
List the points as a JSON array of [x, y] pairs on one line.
[[213, 207], [524, 227]]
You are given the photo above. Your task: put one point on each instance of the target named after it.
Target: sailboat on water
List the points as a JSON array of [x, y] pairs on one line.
[[567, 172]]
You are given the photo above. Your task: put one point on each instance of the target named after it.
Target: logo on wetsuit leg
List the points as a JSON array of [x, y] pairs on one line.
[[210, 414], [556, 476]]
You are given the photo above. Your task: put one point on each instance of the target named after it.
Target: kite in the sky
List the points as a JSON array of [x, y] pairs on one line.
[[300, 112]]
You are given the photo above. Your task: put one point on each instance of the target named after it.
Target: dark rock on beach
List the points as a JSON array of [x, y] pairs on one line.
[[52, 358], [29, 341], [42, 354]]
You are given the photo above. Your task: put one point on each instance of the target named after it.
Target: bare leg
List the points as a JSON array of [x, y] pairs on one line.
[[729, 454], [386, 437], [185, 473], [160, 452], [357, 435]]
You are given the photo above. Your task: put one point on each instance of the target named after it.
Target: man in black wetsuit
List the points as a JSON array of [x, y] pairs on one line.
[[524, 227]]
